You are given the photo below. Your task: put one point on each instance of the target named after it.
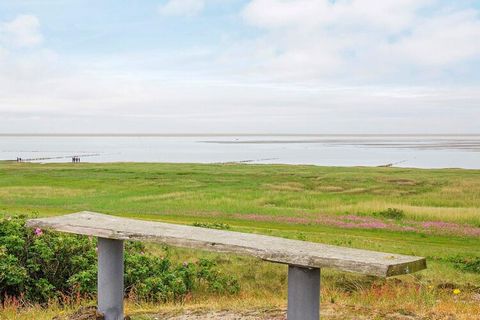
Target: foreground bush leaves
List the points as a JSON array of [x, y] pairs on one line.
[[39, 265]]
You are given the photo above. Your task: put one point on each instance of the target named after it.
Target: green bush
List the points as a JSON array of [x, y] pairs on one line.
[[390, 213], [468, 264], [38, 266], [212, 225]]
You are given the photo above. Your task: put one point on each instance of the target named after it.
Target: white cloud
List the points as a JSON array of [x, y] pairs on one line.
[[23, 61], [101, 102], [389, 14], [182, 7], [363, 40], [275, 81], [441, 40], [23, 31]]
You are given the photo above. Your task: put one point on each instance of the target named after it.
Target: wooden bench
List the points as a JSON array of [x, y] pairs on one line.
[[304, 259]]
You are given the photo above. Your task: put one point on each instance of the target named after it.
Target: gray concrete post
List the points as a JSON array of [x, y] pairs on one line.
[[110, 278], [303, 293]]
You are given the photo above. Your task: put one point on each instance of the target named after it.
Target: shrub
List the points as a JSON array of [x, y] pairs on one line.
[[212, 225], [469, 264], [39, 266], [390, 213], [216, 282]]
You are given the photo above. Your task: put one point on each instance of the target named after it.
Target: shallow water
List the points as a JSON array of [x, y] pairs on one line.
[[342, 150]]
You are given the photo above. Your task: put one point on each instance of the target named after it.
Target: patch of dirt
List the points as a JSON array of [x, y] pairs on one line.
[[328, 311], [331, 312], [224, 315], [84, 313]]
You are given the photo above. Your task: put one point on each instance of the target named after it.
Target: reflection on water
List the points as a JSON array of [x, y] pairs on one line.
[[342, 150]]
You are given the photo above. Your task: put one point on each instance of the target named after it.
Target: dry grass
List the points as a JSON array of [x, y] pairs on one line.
[[422, 213], [163, 196], [380, 302], [41, 192], [286, 186]]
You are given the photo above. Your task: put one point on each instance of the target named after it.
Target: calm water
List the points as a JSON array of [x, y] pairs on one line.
[[404, 151]]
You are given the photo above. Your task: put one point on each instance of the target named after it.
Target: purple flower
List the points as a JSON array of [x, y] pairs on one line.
[[38, 232]]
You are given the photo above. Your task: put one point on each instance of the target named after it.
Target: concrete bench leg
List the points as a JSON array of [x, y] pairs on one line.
[[303, 293], [110, 278]]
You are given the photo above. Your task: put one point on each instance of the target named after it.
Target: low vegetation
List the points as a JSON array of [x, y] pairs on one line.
[[38, 266], [468, 264], [212, 225], [390, 213], [431, 213]]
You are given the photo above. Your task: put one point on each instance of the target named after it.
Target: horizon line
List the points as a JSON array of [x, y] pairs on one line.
[[227, 134]]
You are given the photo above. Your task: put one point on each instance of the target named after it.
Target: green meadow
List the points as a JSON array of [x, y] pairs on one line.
[[438, 218]]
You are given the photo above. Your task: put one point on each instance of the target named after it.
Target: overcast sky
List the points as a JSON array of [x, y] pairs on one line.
[[303, 66]]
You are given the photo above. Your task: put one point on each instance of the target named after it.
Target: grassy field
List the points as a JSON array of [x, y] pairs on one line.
[[341, 206]]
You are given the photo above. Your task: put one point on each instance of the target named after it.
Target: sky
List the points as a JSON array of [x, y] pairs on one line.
[[252, 66]]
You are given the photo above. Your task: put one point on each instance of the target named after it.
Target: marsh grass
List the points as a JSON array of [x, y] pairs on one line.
[[447, 195], [235, 195]]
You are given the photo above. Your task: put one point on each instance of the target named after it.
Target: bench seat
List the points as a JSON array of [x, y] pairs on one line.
[[274, 249]]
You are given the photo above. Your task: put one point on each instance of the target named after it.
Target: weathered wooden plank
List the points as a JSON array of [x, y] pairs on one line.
[[292, 252]]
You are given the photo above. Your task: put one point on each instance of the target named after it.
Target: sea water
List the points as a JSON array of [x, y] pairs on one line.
[[439, 151]]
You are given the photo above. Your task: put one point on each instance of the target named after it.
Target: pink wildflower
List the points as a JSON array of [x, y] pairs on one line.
[[38, 232]]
